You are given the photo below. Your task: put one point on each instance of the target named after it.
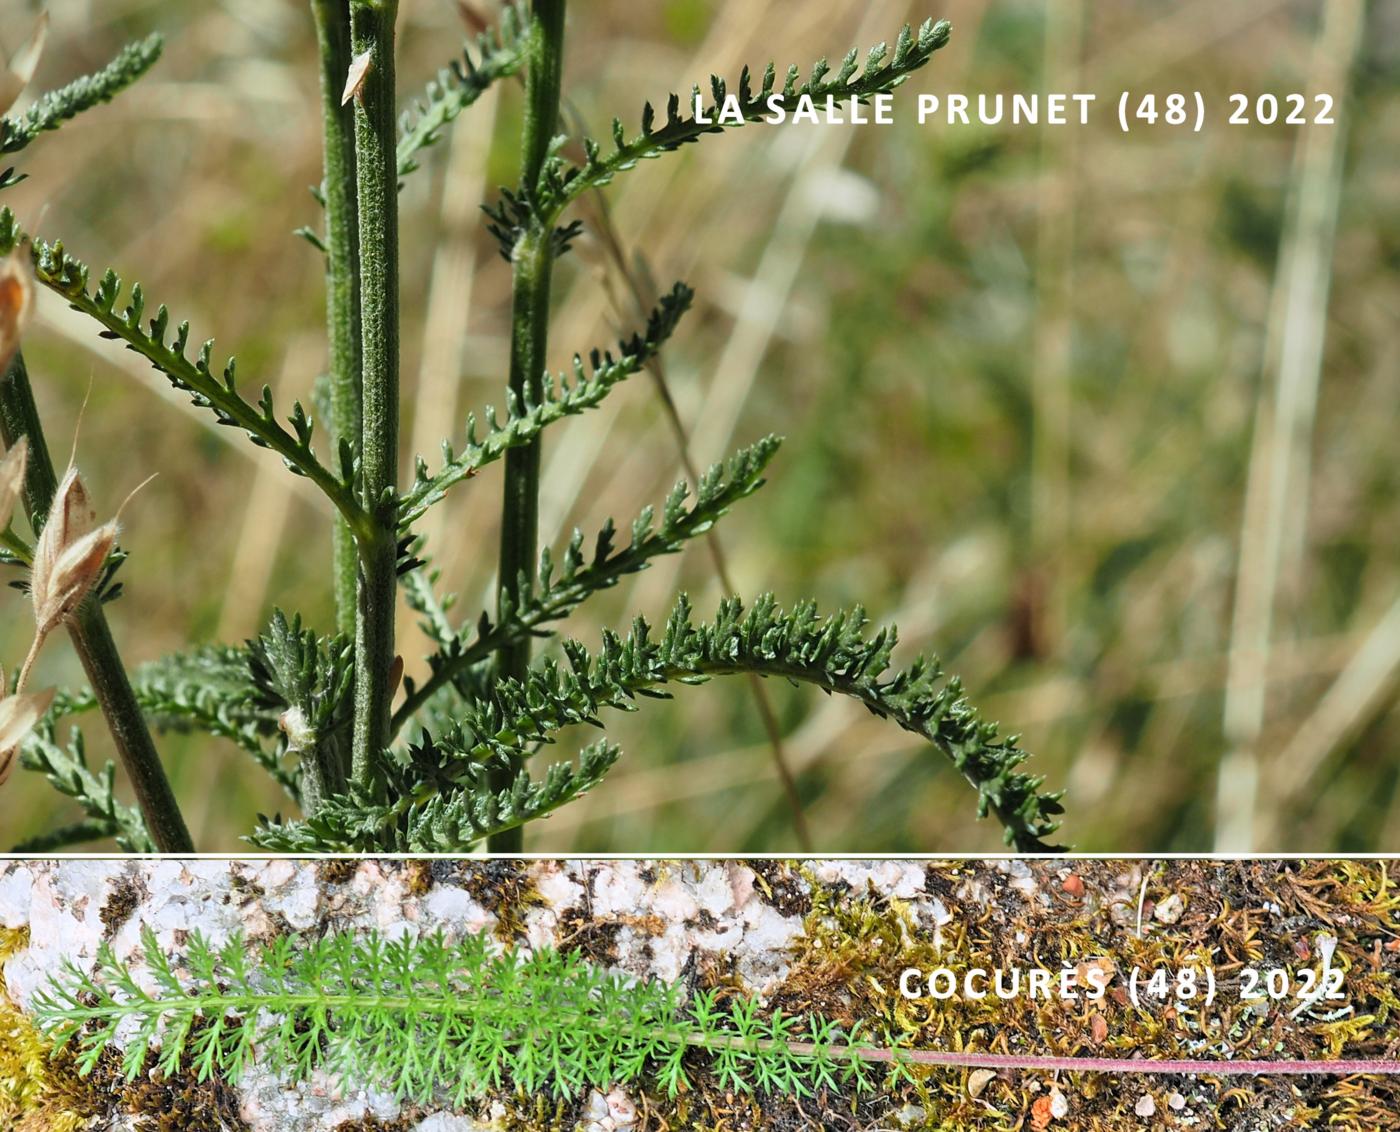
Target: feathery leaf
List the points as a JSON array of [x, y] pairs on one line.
[[881, 72], [426, 1020], [557, 592], [56, 107], [499, 54], [60, 272], [66, 768], [835, 653], [525, 421]]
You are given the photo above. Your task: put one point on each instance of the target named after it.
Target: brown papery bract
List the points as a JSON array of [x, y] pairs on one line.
[[72, 577], [69, 557], [71, 517]]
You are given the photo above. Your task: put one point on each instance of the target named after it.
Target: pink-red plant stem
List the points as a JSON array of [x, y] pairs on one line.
[[971, 1059]]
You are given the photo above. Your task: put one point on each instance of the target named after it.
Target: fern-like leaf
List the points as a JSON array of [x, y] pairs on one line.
[[69, 277], [211, 690], [66, 768], [56, 107], [437, 798], [525, 421], [835, 653], [426, 1020], [556, 593], [306, 681], [499, 54], [882, 71]]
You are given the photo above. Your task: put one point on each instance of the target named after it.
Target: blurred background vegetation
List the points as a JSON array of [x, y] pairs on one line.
[[1077, 409]]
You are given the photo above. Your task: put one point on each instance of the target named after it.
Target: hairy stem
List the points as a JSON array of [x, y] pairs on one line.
[[92, 638], [342, 270], [376, 170], [533, 263]]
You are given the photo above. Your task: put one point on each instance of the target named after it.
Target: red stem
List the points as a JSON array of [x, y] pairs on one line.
[[1205, 1066]]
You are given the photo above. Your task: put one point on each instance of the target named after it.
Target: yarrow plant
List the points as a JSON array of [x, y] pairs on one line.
[[370, 760], [430, 1020]]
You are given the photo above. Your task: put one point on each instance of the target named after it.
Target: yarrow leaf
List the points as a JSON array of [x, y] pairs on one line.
[[429, 1020], [66, 768], [437, 797], [525, 420], [212, 689], [51, 110], [835, 653], [559, 589], [499, 53], [306, 682], [881, 72], [69, 277]]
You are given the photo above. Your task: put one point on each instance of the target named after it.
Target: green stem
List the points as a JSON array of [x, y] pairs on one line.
[[533, 264], [92, 638], [376, 169], [17, 546], [342, 271]]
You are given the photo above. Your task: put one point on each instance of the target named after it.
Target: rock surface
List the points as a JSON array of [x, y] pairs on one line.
[[821, 936]]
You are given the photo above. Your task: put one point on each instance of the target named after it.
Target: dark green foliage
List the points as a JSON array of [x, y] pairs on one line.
[[56, 107], [66, 768], [553, 596], [525, 420], [441, 792], [294, 669], [60, 272], [307, 681], [430, 1020], [881, 72], [499, 54], [438, 797], [484, 711], [207, 689]]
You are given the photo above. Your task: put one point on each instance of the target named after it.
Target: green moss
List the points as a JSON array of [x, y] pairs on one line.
[[419, 877], [181, 1103], [31, 1091], [540, 1114]]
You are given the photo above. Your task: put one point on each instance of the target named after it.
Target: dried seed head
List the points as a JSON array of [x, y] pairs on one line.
[[18, 716], [360, 67], [16, 302], [71, 517], [74, 572], [12, 469], [69, 558]]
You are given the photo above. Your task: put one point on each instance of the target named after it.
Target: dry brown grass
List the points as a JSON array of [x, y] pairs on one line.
[[1020, 374]]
